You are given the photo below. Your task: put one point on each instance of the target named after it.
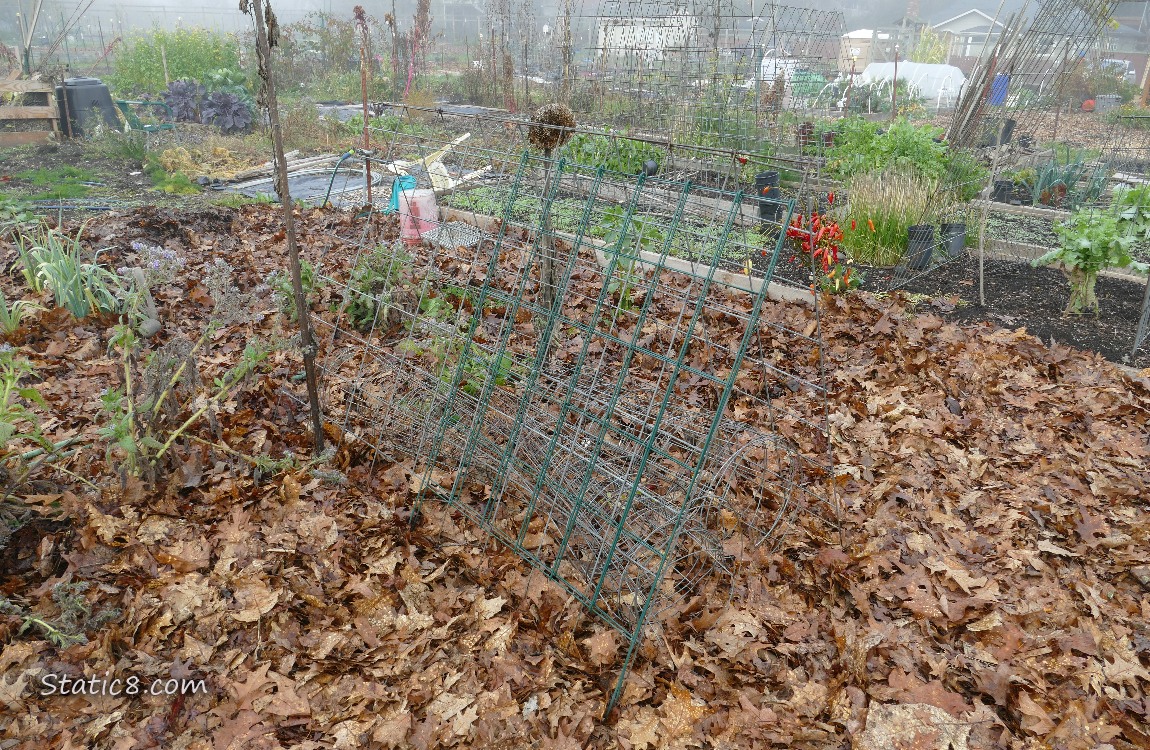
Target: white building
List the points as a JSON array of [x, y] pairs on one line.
[[647, 38]]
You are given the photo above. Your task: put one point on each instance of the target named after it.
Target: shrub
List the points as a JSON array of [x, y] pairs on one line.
[[616, 153], [915, 149], [138, 67]]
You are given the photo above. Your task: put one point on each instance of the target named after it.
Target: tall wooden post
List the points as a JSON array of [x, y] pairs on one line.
[[267, 31]]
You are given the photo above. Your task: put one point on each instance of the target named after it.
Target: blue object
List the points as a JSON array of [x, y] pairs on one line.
[[998, 89], [398, 185]]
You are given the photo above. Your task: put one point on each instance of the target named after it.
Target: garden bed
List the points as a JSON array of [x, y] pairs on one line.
[[1014, 533], [1019, 295]]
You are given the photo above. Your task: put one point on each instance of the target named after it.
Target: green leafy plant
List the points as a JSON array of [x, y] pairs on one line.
[[1066, 180], [16, 215], [1091, 242], [368, 293], [138, 66], [229, 81], [629, 239], [615, 152], [76, 616], [144, 420], [13, 314], [81, 287], [17, 420], [1132, 207], [859, 148], [29, 264], [281, 284]]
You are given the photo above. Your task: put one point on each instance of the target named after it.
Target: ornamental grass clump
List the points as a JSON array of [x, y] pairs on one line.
[[882, 206]]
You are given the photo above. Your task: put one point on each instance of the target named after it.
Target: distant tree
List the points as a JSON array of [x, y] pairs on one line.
[[931, 47]]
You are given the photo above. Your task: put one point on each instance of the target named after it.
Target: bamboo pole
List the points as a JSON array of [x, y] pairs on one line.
[[307, 342]]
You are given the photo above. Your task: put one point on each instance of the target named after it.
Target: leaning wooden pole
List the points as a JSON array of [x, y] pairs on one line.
[[364, 41], [267, 35]]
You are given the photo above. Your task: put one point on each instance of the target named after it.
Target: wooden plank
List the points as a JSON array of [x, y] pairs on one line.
[[1023, 252], [25, 138], [28, 113], [776, 291], [26, 87], [1009, 208]]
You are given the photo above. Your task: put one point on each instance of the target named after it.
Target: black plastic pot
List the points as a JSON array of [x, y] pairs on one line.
[[1003, 191], [953, 238], [919, 246], [1007, 131], [769, 195]]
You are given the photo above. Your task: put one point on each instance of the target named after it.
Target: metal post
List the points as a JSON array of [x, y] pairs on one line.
[[894, 88], [850, 85]]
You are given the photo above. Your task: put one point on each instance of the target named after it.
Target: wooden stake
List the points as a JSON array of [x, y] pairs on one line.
[[361, 22], [982, 227], [307, 342]]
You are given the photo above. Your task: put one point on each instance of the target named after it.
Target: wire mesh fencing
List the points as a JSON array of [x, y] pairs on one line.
[[586, 364]]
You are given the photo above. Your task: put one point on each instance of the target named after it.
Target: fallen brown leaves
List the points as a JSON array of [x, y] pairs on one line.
[[989, 595]]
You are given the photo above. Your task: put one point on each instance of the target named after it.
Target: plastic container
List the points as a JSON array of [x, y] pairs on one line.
[[767, 190], [418, 213], [998, 88], [1107, 102], [920, 245], [83, 103], [953, 238]]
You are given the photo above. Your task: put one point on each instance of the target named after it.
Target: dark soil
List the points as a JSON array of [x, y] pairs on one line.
[[1019, 295]]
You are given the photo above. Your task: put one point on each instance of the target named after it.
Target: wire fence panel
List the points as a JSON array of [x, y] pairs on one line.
[[606, 421]]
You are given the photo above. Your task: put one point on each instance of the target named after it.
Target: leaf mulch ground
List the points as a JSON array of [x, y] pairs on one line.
[[991, 592]]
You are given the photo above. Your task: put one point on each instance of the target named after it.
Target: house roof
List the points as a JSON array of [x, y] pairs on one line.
[[989, 19], [988, 9]]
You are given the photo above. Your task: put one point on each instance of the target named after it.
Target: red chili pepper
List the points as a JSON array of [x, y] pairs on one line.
[[831, 198], [854, 225]]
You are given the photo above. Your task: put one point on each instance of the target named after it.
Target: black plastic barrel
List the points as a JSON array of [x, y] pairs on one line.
[[83, 102], [919, 246], [953, 237], [769, 195]]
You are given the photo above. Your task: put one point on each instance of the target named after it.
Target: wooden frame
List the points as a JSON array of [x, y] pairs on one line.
[[46, 113]]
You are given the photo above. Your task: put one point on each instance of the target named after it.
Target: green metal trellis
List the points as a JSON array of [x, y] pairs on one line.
[[582, 421]]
